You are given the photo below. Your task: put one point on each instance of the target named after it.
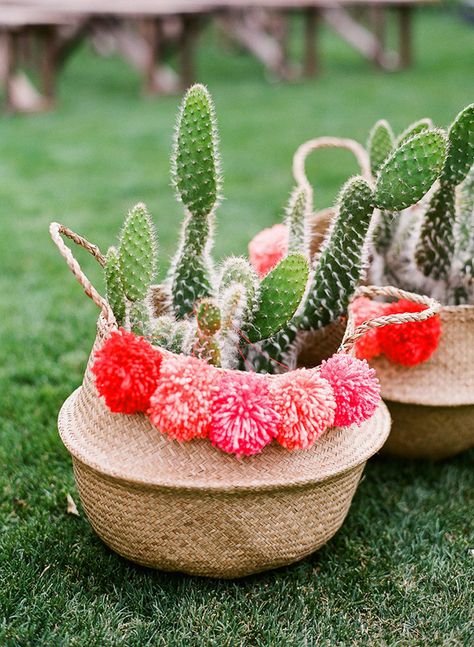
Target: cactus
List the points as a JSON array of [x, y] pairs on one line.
[[137, 253], [237, 269], [280, 295], [234, 305], [437, 256], [195, 171], [296, 218], [414, 129], [208, 320], [175, 336], [113, 285], [380, 144]]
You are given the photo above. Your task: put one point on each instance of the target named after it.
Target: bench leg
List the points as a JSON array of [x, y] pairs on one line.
[[311, 54], [377, 16], [405, 14], [190, 32], [9, 68]]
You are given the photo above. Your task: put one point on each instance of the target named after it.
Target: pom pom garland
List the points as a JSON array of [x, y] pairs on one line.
[[180, 405], [363, 308], [126, 369], [305, 404], [243, 421], [410, 343], [356, 388], [267, 248]]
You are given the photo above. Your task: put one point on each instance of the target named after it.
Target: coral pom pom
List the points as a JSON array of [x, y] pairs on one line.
[[355, 386], [410, 343], [180, 406], [126, 370], [267, 248], [305, 404], [364, 309], [243, 421]]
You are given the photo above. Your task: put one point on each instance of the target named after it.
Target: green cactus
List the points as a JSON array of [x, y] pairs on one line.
[[137, 253], [174, 336], [195, 169], [341, 263], [208, 320], [234, 306], [237, 269], [414, 129], [113, 285], [460, 156], [296, 219], [408, 173], [281, 292], [380, 145]]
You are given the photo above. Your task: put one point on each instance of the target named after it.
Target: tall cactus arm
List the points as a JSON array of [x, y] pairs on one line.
[[409, 172], [435, 247], [237, 269], [460, 154], [281, 292], [195, 170], [137, 253], [414, 129], [113, 285], [234, 306], [380, 144], [465, 215], [297, 212], [340, 266]]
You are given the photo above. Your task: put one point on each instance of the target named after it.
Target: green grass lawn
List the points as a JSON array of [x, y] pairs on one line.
[[400, 571]]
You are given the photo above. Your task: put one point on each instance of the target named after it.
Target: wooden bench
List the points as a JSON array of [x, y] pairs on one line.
[[50, 21]]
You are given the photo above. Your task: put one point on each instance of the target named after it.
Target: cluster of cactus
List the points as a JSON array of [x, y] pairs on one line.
[[403, 177], [430, 248], [211, 313]]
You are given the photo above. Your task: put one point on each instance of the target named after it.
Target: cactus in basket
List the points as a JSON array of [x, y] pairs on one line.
[[210, 314], [404, 175], [432, 248]]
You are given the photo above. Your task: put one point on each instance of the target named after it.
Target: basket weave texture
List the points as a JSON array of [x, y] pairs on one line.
[[192, 508], [432, 404]]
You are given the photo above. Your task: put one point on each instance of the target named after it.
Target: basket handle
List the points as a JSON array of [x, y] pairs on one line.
[[302, 152], [354, 333], [56, 231]]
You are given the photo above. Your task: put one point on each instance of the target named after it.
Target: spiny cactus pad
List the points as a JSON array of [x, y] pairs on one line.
[[339, 268], [411, 169], [237, 269], [281, 292], [380, 144], [137, 253], [175, 336], [460, 154], [296, 214], [414, 129], [208, 316], [113, 285], [435, 248], [195, 156]]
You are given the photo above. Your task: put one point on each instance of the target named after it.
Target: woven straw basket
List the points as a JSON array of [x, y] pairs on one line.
[[190, 507], [432, 404]]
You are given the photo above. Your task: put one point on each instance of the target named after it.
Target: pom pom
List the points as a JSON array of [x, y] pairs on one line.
[[243, 421], [356, 388], [364, 309], [180, 405], [267, 248], [127, 370], [306, 406], [409, 343]]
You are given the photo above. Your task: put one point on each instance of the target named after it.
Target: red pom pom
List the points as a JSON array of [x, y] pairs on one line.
[[180, 406], [410, 343], [364, 309], [243, 421], [355, 386], [305, 404], [267, 248], [126, 369]]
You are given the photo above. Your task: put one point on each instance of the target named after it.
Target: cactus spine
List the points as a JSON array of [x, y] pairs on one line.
[[195, 170], [113, 285]]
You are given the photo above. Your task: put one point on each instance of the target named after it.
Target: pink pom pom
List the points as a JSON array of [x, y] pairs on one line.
[[267, 248], [355, 386], [364, 309], [306, 406], [243, 421], [180, 405]]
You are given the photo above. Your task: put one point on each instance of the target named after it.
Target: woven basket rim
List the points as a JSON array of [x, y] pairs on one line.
[[73, 432]]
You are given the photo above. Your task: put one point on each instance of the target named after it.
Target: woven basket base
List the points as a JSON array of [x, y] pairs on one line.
[[429, 432], [221, 535]]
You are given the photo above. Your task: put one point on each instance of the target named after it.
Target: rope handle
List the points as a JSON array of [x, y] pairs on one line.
[[353, 333], [56, 231], [302, 152]]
